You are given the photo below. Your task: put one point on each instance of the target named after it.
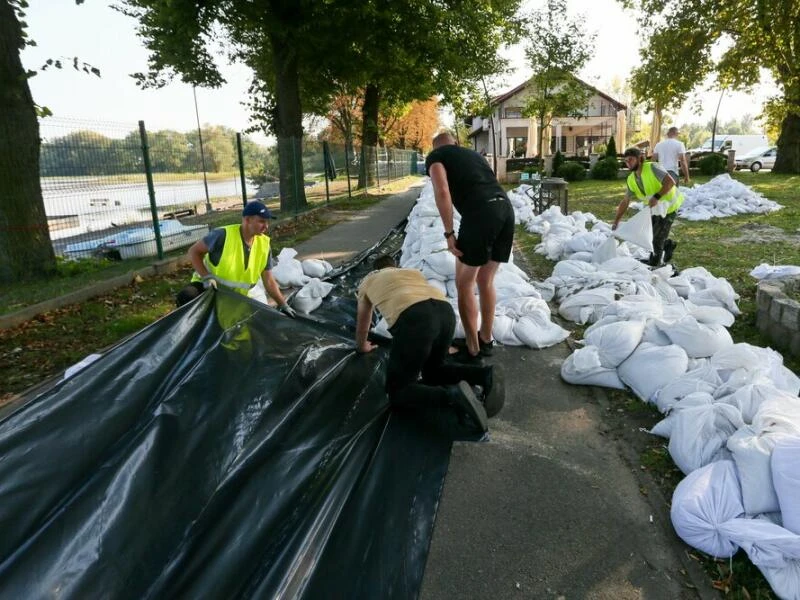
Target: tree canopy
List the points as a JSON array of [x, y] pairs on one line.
[[684, 39]]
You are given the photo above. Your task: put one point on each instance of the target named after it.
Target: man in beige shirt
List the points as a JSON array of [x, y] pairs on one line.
[[422, 324]]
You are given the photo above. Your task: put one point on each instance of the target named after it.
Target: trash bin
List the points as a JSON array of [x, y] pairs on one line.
[[552, 192]]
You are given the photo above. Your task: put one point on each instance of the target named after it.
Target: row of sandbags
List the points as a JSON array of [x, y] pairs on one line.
[[732, 411]]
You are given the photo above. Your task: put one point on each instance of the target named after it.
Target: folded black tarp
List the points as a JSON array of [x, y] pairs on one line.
[[226, 451]]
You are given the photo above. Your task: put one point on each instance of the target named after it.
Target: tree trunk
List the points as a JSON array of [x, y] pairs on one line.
[[25, 247], [288, 127], [788, 158], [369, 134]]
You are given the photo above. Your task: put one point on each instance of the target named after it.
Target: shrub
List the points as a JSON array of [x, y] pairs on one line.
[[558, 160], [713, 164], [606, 168], [571, 171], [600, 149], [611, 148]]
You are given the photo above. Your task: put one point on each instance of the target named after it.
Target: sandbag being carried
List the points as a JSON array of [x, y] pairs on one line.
[[637, 230]]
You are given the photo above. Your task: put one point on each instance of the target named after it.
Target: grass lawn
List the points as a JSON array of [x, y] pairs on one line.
[[729, 247]]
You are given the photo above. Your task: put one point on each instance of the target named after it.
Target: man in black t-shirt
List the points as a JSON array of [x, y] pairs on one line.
[[462, 179]]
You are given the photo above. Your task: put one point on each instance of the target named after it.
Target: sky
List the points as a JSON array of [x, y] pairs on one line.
[[107, 39]]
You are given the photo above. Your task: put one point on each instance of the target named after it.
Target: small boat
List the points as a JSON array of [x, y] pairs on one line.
[[139, 242]]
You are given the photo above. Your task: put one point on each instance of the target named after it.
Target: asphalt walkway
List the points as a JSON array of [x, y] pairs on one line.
[[551, 506]]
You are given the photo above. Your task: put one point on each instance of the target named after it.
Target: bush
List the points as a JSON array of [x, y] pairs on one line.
[[558, 160], [713, 164], [611, 149], [606, 168], [600, 149], [571, 171]]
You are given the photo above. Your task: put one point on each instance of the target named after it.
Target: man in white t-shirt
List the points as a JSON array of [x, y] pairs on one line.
[[671, 154]]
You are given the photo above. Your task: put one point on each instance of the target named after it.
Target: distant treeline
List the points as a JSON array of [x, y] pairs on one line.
[[85, 152]]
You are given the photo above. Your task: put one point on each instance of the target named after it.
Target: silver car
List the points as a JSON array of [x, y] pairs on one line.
[[760, 158]]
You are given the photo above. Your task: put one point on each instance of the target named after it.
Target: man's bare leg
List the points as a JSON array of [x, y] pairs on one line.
[[488, 298], [467, 306]]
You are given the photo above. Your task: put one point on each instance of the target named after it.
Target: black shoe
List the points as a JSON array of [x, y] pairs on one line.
[[465, 400], [465, 358], [486, 348], [494, 396]]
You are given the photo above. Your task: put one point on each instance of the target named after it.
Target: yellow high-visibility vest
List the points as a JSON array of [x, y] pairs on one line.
[[651, 186]]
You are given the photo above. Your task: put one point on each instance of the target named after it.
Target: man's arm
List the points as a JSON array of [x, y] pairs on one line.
[[363, 321], [444, 203], [272, 287], [621, 208], [684, 160], [197, 253], [666, 185]]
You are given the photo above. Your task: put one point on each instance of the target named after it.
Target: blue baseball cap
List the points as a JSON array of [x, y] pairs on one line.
[[256, 209]]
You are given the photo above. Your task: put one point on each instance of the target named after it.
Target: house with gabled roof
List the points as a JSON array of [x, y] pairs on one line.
[[516, 136]]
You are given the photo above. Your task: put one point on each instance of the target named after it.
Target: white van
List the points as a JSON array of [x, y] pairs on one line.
[[760, 158], [742, 144]]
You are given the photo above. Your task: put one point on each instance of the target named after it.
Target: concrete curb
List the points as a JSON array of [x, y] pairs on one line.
[[16, 318]]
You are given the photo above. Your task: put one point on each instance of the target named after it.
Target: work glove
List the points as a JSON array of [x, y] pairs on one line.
[[287, 310], [209, 281]]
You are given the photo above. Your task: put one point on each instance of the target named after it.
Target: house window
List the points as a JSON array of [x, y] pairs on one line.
[[561, 147], [513, 113], [517, 147]]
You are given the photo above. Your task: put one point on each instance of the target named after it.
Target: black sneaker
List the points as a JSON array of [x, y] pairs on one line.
[[486, 348], [467, 402], [465, 358], [494, 397]]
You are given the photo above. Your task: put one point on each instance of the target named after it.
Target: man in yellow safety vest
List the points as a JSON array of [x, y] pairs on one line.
[[651, 184], [236, 257]]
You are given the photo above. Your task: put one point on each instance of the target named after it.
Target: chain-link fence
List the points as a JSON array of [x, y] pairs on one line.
[[121, 191]]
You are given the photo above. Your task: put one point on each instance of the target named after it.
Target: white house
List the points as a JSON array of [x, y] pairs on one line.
[[517, 136]]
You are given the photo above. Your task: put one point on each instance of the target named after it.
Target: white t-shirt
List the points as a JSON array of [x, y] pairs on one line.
[[668, 151]]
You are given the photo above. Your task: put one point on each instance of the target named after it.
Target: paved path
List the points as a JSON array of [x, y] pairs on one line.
[[550, 506]]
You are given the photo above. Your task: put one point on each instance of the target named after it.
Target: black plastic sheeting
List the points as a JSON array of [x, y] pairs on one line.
[[226, 451]]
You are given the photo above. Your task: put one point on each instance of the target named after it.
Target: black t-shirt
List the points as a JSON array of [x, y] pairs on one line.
[[469, 177]]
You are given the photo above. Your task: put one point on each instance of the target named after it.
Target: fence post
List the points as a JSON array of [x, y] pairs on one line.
[[241, 166], [377, 168], [347, 169], [326, 160], [151, 191]]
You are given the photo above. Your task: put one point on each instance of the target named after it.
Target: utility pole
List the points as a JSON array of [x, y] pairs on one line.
[[209, 208]]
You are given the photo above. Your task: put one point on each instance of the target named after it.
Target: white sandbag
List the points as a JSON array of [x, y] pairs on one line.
[[439, 285], [712, 315], [752, 451], [766, 271], [382, 328], [536, 330], [289, 271], [651, 367], [704, 379], [615, 341], [719, 293], [587, 305], [665, 426], [698, 339], [748, 398], [583, 367], [785, 466], [315, 267], [637, 230], [653, 335], [503, 330], [704, 499], [605, 251], [773, 549], [752, 358], [700, 434], [636, 307], [310, 296], [443, 262]]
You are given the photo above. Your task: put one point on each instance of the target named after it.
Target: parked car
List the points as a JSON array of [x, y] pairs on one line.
[[760, 158]]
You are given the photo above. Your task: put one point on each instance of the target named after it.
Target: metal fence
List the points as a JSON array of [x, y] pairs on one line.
[[121, 191]]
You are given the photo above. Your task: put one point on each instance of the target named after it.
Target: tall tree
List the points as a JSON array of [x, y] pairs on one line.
[[752, 34], [25, 248], [557, 49], [416, 127]]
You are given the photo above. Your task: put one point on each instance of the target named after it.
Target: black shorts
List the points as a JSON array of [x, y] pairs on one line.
[[487, 234]]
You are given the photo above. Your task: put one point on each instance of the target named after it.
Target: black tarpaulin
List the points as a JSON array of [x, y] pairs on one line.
[[226, 451]]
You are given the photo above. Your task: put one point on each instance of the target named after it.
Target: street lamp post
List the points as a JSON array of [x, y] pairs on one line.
[[209, 208]]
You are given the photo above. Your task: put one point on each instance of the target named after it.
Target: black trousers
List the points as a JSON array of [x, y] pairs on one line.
[[421, 337], [661, 229]]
